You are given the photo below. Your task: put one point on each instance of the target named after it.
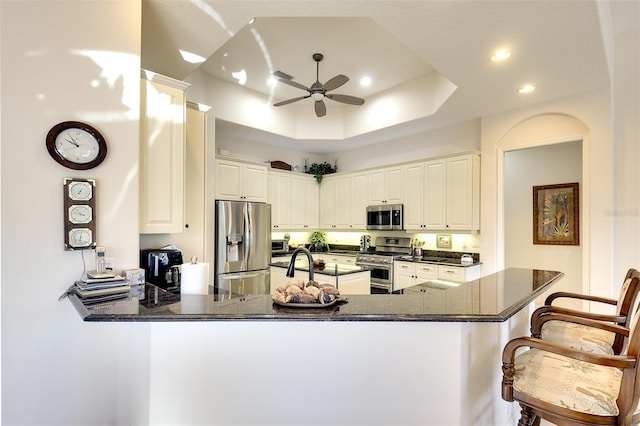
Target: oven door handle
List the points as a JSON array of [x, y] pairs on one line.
[[373, 265]]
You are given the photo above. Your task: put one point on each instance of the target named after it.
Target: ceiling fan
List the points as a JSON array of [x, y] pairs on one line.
[[318, 91]]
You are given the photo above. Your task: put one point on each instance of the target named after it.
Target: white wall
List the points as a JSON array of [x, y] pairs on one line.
[[57, 370], [523, 169]]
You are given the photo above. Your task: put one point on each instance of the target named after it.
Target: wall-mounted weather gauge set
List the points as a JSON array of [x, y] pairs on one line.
[[79, 214]]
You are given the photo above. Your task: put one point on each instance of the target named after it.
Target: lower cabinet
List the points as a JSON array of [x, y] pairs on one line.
[[408, 274], [353, 283], [459, 273]]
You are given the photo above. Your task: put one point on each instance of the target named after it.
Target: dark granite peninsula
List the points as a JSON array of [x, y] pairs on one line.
[[437, 347], [494, 298]]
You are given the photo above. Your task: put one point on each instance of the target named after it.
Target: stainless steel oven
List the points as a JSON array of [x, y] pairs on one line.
[[381, 268], [380, 263]]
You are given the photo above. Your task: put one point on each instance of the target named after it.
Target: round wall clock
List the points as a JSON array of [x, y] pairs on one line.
[[76, 145]]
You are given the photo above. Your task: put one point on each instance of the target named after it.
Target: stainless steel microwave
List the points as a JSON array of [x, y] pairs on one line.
[[385, 217], [279, 246]]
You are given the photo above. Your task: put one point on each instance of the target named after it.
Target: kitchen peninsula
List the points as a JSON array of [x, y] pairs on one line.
[[494, 298], [453, 354]]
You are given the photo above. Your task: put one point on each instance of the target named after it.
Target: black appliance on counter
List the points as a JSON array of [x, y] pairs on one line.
[[162, 267]]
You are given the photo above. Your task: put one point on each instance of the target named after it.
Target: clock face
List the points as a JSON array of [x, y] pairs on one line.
[[76, 145], [80, 214], [80, 237], [80, 191]]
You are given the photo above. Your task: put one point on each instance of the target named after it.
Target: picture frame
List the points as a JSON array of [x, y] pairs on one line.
[[443, 240], [556, 214]]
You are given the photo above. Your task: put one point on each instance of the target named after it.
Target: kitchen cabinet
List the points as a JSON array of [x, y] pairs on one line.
[[335, 193], [294, 201], [458, 273], [340, 259], [445, 194], [343, 201], [279, 195], [305, 214], [347, 283], [241, 181], [358, 201], [409, 274], [162, 155], [386, 185]]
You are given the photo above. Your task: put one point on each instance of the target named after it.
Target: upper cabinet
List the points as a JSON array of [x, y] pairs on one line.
[[241, 181], [445, 194], [335, 193], [359, 200], [294, 201], [162, 154], [386, 185]]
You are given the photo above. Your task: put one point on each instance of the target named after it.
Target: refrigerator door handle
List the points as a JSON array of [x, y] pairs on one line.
[[246, 211], [235, 276]]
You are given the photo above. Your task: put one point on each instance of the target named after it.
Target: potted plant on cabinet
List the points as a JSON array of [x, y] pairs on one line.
[[319, 170]]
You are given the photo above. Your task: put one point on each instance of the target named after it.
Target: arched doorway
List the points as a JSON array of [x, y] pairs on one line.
[[542, 150]]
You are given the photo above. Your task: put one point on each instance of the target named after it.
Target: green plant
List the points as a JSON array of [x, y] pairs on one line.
[[318, 241], [318, 170]]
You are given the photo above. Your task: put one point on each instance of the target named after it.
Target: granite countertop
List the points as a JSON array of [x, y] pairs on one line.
[[494, 298], [332, 269]]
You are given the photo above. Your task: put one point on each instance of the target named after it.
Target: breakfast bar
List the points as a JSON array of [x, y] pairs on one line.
[[493, 298], [457, 332]]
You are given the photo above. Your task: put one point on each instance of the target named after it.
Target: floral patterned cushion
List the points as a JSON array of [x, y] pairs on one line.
[[579, 337], [562, 381]]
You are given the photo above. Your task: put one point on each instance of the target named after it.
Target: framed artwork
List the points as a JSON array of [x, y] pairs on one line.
[[443, 240], [556, 214]]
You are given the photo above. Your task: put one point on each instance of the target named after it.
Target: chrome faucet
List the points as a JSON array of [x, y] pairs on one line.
[[292, 263]]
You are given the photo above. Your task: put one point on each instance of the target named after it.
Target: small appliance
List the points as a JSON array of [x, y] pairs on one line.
[[162, 267], [365, 243], [385, 217], [280, 246]]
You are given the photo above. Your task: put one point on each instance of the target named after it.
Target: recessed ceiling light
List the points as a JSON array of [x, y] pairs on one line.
[[527, 88], [500, 55], [365, 81]]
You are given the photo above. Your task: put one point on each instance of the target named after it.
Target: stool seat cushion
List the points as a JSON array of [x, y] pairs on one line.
[[566, 382]]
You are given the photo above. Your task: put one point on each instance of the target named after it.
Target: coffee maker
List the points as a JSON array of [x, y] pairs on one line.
[[162, 267], [365, 243]]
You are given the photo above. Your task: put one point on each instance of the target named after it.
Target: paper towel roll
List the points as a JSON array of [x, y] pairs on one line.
[[195, 278]]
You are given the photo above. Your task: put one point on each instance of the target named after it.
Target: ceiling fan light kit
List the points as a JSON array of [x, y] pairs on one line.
[[318, 91]]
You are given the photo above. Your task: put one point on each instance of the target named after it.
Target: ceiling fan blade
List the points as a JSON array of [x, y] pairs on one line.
[[345, 99], [288, 101], [335, 82], [293, 83], [321, 109]]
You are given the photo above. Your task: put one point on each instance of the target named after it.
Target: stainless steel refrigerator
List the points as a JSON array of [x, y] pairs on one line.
[[243, 247]]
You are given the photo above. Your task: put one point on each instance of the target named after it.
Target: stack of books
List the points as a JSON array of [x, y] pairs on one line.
[[102, 289]]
